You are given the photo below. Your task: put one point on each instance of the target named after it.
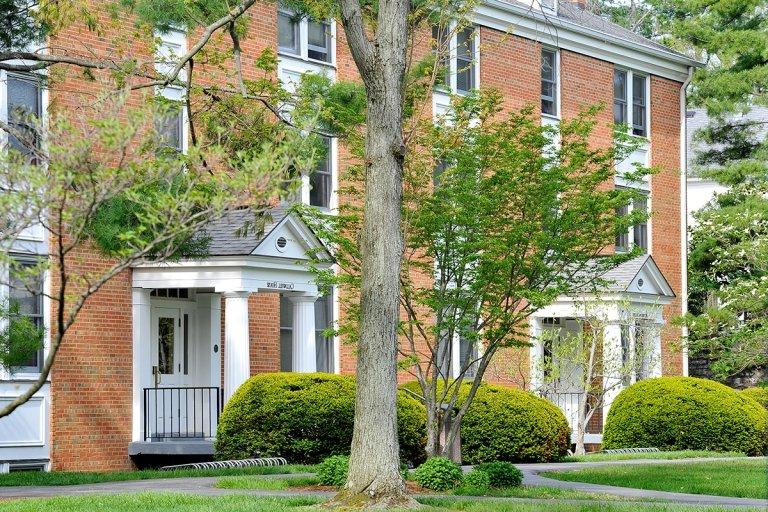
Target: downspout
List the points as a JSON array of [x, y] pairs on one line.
[[684, 211]]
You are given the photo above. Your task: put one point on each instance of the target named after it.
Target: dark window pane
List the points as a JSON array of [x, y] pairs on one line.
[[465, 60], [640, 230], [639, 105], [23, 110], [165, 341], [321, 180], [548, 82], [622, 239], [619, 97], [319, 41], [26, 293], [287, 32], [324, 344], [169, 126], [442, 49]]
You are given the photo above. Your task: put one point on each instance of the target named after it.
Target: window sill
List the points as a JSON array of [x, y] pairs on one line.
[[298, 57], [551, 117]]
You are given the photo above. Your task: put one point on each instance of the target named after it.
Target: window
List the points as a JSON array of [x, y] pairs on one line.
[[303, 37], [321, 180], [638, 106], [640, 230], [27, 294], [637, 235], [323, 343], [319, 41], [169, 127], [441, 40], [626, 84], [549, 82], [288, 32], [465, 60], [468, 353], [24, 102], [457, 55], [286, 334], [620, 97]]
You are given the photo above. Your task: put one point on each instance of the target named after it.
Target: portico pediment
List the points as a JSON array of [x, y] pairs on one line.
[[291, 238]]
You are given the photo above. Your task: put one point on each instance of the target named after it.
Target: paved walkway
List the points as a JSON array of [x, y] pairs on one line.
[[531, 473], [532, 477]]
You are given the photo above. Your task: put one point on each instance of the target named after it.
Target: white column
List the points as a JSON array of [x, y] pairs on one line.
[[304, 351], [612, 359], [536, 355], [142, 356], [237, 363]]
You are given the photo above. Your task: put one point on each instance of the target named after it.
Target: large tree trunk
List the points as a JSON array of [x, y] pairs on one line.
[[374, 478]]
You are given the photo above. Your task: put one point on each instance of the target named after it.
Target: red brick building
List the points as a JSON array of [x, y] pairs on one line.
[[159, 349]]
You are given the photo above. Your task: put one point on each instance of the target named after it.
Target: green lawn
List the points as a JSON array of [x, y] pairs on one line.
[[161, 502], [747, 478], [26, 478], [682, 454]]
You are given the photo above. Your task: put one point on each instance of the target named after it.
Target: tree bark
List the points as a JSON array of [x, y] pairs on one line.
[[374, 479]]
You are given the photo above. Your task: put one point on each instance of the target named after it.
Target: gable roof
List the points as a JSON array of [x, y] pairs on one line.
[[638, 275], [237, 232]]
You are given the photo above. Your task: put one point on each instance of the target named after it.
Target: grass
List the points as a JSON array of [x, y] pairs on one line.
[[169, 502], [681, 454], [746, 478], [27, 478], [550, 493]]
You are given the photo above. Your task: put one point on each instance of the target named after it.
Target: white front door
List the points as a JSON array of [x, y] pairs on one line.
[[168, 403]]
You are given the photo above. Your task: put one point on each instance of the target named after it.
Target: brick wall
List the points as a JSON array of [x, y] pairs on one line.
[[665, 207]]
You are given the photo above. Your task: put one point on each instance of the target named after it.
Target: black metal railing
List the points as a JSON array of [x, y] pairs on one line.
[[181, 412]]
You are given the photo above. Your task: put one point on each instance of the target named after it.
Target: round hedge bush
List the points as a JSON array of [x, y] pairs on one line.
[[438, 474], [505, 424], [305, 417], [759, 395], [501, 474], [686, 413], [333, 470]]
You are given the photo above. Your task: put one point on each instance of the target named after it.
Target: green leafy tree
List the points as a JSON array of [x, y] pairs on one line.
[[497, 222], [727, 264]]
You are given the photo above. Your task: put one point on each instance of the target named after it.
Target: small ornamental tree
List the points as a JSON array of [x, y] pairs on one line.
[[497, 223], [595, 367]]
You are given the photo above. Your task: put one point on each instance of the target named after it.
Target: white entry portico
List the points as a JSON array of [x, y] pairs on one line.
[[177, 321]]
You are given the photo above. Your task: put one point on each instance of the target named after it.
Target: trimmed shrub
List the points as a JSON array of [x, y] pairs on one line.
[[475, 483], [759, 395], [305, 417], [438, 474], [686, 413], [333, 470], [501, 474], [512, 425]]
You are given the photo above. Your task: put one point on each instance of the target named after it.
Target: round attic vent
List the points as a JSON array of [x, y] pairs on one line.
[[281, 243], [640, 283]]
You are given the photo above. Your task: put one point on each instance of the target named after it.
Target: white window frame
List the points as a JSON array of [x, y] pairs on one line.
[[631, 74], [450, 88], [303, 41], [172, 45], [558, 103]]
